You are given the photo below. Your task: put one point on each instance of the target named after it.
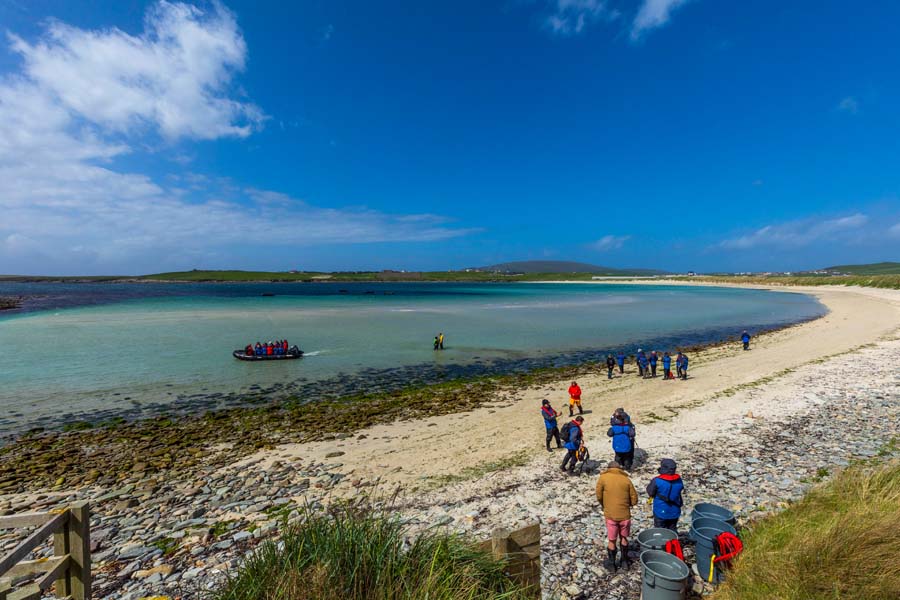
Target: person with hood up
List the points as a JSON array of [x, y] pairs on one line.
[[620, 360], [610, 366], [574, 439], [745, 339], [665, 489], [622, 435], [616, 495], [574, 399], [550, 415]]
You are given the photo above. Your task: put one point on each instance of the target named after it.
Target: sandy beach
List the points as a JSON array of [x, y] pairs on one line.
[[417, 451], [750, 430]]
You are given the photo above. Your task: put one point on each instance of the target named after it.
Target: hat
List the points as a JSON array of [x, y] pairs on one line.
[[545, 401], [667, 466]]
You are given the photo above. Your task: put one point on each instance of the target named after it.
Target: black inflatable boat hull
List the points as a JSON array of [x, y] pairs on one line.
[[240, 355]]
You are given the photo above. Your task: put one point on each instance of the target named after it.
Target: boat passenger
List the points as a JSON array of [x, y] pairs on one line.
[[270, 349], [284, 346]]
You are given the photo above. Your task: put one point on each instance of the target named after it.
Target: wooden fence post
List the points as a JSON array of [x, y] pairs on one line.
[[75, 540], [500, 543]]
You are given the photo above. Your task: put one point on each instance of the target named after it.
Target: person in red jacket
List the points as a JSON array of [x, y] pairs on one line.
[[284, 346], [270, 349], [574, 399]]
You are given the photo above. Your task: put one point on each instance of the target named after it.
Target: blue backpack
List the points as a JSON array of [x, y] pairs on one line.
[[621, 442]]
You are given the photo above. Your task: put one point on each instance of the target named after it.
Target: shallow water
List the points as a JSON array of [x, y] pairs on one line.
[[92, 351]]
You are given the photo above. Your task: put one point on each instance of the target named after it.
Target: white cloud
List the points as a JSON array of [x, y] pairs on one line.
[[799, 233], [653, 14], [570, 17], [85, 98], [895, 230], [610, 242], [174, 77], [849, 105]]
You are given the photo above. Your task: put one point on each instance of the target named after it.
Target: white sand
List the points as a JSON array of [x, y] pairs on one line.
[[411, 452]]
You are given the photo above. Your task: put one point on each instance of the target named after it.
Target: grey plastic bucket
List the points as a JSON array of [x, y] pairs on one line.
[[655, 538], [663, 576], [705, 510], [704, 531]]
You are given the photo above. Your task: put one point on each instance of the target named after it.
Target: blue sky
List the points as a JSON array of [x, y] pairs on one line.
[[676, 134]]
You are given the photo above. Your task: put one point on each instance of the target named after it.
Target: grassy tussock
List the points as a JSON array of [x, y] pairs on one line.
[[842, 541], [357, 552]]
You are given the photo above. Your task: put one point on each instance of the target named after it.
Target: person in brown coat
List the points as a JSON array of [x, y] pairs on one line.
[[616, 495]]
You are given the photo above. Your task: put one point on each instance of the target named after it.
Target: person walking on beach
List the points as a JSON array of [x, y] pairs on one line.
[[684, 365], [610, 366], [639, 361], [550, 423], [441, 340], [654, 358], [665, 489], [745, 339], [644, 365], [616, 495], [667, 366], [574, 399], [622, 435], [574, 437], [620, 359], [678, 358]]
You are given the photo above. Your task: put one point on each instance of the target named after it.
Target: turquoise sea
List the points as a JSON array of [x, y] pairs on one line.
[[94, 351]]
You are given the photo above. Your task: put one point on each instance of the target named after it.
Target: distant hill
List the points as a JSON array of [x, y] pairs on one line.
[[563, 266], [882, 268]]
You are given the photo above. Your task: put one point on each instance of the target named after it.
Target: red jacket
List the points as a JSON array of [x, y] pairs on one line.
[[575, 392], [270, 348]]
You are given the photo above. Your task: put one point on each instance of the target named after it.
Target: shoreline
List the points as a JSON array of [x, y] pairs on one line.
[[480, 463]]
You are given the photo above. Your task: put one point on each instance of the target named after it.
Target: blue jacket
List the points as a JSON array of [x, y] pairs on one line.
[[745, 338], [667, 362], [653, 359], [684, 363], [622, 437], [666, 493], [574, 441], [549, 416], [620, 358]]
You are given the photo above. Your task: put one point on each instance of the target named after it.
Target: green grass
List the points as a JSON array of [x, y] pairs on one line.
[[839, 542], [882, 268], [355, 551], [875, 281]]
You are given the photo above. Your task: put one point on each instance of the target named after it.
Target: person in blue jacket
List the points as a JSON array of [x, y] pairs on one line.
[[665, 489], [574, 441], [640, 360], [654, 358], [684, 365], [550, 415], [745, 339], [644, 365], [667, 366], [620, 359], [622, 435]]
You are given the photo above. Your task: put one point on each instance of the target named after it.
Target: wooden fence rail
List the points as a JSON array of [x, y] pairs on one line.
[[522, 551], [70, 565]]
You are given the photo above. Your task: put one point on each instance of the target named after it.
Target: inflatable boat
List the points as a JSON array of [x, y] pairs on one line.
[[293, 352]]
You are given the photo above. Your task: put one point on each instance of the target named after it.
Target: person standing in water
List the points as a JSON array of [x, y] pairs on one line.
[[436, 342], [745, 339], [441, 340]]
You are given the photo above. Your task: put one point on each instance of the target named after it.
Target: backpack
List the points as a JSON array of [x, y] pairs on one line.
[[566, 431]]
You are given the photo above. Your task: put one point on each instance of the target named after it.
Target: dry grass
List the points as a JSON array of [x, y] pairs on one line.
[[842, 541]]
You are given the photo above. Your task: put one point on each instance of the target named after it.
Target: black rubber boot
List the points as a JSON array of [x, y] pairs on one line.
[[610, 562]]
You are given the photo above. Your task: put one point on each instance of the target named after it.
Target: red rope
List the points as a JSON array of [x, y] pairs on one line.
[[728, 546]]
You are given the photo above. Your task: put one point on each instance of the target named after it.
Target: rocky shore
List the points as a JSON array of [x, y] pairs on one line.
[[175, 534]]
